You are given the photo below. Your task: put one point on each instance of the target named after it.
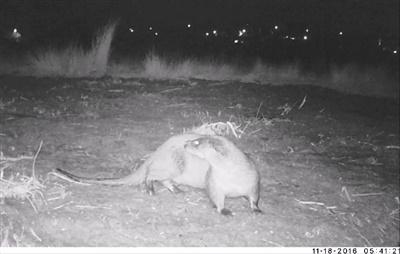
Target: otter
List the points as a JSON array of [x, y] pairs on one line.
[[212, 163], [170, 164], [232, 172]]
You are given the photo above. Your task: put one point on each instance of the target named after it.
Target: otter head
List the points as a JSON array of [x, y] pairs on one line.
[[206, 147]]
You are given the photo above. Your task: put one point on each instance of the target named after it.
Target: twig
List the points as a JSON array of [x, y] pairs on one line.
[[304, 101], [367, 194], [344, 189], [58, 207], [258, 110], [92, 207], [5, 158], [245, 127], [370, 245], [309, 202], [254, 132], [392, 147], [30, 201], [35, 235], [123, 234], [232, 129], [34, 159], [170, 90]]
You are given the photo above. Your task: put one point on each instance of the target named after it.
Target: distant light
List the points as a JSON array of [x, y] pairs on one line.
[[131, 30], [189, 25], [243, 30], [16, 35], [276, 27], [150, 28], [240, 33], [292, 38], [287, 37], [215, 32], [305, 37], [307, 30], [207, 34], [379, 42], [155, 33], [394, 51], [235, 41], [340, 33]]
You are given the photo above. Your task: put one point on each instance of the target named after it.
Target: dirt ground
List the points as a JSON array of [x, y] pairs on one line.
[[329, 166]]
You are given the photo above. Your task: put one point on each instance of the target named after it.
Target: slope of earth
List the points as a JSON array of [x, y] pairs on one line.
[[329, 164]]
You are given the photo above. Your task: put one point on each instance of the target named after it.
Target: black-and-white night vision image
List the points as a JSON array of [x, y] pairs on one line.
[[179, 123]]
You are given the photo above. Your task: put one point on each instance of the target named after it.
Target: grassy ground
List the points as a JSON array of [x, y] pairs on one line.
[[329, 164]]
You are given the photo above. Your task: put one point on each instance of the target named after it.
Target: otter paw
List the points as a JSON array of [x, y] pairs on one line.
[[256, 210], [226, 212], [175, 190], [148, 188]]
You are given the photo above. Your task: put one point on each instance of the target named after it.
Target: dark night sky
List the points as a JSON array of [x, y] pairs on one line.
[[370, 17]]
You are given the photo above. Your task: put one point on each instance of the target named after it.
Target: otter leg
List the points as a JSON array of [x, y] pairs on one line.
[[216, 196], [149, 187], [253, 198], [171, 187], [254, 205]]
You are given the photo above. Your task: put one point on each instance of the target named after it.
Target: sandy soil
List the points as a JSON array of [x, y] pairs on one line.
[[330, 170]]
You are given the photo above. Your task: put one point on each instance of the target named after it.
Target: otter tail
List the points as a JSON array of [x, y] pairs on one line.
[[134, 179]]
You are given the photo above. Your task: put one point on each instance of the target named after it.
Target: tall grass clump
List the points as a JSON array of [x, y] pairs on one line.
[[75, 61], [157, 67]]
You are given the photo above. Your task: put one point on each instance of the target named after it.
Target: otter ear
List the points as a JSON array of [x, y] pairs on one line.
[[219, 147]]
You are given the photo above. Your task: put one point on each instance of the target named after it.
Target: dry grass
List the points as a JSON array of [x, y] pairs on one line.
[[19, 186], [74, 61], [219, 128], [235, 126]]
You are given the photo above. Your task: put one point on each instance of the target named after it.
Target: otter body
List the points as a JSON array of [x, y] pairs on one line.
[[169, 164], [232, 173]]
